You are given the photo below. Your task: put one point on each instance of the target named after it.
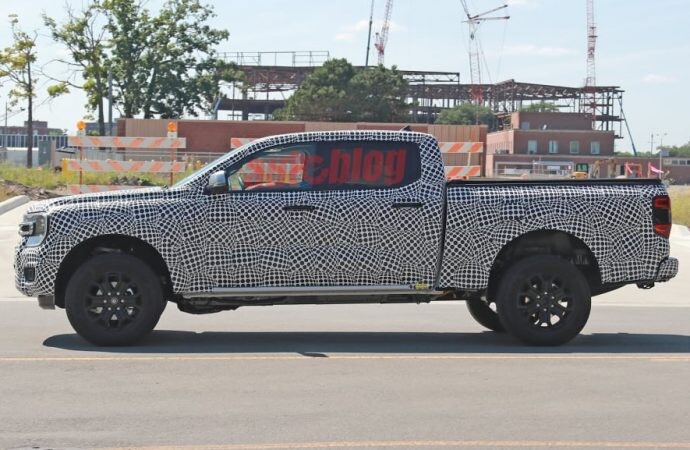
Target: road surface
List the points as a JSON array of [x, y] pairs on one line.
[[365, 376]]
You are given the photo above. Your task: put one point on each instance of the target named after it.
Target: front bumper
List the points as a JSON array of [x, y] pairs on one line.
[[668, 268], [34, 270]]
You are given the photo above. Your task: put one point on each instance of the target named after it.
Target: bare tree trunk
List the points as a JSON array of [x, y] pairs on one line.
[[30, 125]]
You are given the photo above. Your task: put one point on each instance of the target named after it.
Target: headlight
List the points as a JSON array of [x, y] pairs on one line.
[[34, 227]]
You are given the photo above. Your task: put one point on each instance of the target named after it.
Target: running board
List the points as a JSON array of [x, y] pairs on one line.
[[311, 291]]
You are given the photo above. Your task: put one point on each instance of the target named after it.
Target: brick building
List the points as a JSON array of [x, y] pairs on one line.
[[552, 133]]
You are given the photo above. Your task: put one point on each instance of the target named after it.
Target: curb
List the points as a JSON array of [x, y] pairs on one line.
[[12, 203]]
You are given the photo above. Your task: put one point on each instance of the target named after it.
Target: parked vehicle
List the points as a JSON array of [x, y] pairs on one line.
[[345, 217]]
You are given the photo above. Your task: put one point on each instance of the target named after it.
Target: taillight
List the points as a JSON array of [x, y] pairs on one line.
[[661, 215]]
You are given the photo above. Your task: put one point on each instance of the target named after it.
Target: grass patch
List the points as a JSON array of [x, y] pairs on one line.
[[680, 204], [48, 179]]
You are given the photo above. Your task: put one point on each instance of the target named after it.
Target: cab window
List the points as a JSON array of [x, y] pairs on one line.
[[345, 165], [278, 168]]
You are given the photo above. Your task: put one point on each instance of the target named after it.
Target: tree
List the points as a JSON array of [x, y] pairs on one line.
[[337, 92], [162, 65], [540, 107], [467, 114], [83, 34], [324, 95], [16, 65], [682, 151], [378, 95]]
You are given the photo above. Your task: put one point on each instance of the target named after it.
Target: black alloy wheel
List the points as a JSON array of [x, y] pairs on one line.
[[114, 299], [543, 300]]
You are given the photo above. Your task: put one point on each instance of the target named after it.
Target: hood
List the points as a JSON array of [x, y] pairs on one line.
[[127, 195]]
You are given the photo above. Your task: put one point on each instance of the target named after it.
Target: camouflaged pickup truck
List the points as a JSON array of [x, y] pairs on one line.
[[344, 217]]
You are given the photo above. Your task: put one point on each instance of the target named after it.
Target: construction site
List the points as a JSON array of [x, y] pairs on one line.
[[576, 138], [583, 133]]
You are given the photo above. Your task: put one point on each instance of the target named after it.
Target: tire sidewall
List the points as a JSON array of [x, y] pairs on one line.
[[513, 319], [147, 283], [484, 315]]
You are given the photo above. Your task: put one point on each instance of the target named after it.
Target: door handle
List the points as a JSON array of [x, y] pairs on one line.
[[408, 205], [299, 208]]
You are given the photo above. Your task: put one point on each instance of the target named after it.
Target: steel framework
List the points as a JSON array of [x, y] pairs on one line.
[[429, 92]]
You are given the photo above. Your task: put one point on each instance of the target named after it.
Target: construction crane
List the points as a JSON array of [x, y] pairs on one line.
[[382, 36], [371, 21], [473, 21], [590, 106]]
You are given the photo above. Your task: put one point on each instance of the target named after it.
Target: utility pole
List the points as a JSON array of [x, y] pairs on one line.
[[371, 21], [4, 130], [661, 151], [30, 124], [110, 102]]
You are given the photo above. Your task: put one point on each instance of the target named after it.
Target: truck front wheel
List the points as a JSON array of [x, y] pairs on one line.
[[114, 299], [543, 300]]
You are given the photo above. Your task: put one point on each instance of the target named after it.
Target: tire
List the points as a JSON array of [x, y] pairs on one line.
[[484, 315], [520, 300], [130, 315]]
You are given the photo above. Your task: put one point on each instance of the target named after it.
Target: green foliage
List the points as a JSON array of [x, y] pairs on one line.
[[680, 201], [337, 92], [83, 35], [682, 151], [540, 107], [467, 114], [379, 95], [162, 65], [48, 179], [16, 67]]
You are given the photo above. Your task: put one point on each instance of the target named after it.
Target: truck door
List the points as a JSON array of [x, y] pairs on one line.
[[333, 213]]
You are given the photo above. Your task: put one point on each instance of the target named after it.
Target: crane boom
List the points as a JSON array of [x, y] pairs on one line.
[[591, 80], [473, 22], [382, 37]]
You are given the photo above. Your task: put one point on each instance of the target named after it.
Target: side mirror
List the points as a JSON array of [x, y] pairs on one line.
[[217, 183]]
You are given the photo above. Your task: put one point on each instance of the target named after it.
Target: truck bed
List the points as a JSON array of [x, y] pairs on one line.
[[613, 218]]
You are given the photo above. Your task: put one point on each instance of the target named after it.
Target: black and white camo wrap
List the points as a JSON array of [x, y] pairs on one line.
[[352, 238], [613, 220]]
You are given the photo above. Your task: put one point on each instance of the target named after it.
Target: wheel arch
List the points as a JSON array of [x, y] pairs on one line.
[[105, 244], [548, 242]]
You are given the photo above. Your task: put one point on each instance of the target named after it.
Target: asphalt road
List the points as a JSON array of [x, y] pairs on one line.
[[369, 376]]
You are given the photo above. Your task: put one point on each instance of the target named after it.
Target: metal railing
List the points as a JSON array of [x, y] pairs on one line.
[[20, 140]]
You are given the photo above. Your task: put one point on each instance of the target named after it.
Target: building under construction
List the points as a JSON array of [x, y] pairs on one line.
[[271, 77]]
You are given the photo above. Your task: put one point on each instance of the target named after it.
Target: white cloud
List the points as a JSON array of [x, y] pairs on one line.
[[655, 78], [534, 50], [352, 31]]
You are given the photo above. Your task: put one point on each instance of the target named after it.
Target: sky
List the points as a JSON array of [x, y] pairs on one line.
[[643, 46]]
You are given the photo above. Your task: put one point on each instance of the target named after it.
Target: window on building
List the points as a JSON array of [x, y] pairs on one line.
[[553, 146], [574, 147], [524, 126], [595, 147], [531, 147]]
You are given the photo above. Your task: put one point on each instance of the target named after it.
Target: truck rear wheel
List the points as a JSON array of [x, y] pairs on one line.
[[114, 299], [543, 300], [481, 312]]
